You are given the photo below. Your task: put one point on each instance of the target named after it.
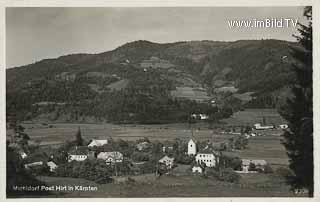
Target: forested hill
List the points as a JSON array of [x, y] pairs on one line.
[[142, 81]]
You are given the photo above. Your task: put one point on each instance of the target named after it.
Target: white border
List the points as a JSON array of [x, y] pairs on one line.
[[165, 3]]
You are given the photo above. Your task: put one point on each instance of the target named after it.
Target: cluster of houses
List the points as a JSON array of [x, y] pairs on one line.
[[204, 158], [82, 153], [259, 126]]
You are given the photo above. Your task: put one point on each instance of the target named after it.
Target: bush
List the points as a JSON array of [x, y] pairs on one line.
[[268, 169], [284, 172], [93, 170], [229, 175], [252, 167], [213, 173]]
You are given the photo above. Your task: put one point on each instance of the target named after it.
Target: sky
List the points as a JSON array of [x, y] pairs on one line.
[[33, 34]]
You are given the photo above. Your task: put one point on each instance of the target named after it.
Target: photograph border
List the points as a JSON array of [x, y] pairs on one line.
[[177, 3]]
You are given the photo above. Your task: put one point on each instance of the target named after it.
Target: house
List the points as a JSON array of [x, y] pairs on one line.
[[258, 126], [197, 169], [283, 126], [52, 166], [111, 157], [78, 154], [259, 164], [167, 161], [192, 147], [97, 143], [142, 146], [34, 164], [167, 146], [23, 155], [200, 116], [208, 158]]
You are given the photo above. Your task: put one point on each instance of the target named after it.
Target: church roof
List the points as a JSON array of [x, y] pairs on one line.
[[193, 139]]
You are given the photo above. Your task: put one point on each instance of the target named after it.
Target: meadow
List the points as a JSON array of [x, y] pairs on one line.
[[267, 147], [252, 116], [251, 185]]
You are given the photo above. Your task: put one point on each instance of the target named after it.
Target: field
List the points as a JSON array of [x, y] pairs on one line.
[[251, 185], [252, 116], [198, 94], [266, 147]]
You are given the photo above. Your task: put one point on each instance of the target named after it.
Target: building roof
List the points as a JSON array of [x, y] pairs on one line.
[[193, 139], [107, 155], [97, 143], [247, 162], [166, 158], [28, 165], [79, 150], [52, 164]]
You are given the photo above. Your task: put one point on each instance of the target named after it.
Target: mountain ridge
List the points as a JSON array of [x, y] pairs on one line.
[[253, 67]]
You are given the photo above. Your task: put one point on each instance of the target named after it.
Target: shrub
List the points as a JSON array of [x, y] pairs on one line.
[[268, 169], [284, 172], [212, 172], [229, 175]]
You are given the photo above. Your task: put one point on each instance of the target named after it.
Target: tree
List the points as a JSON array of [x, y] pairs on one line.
[[79, 140], [298, 111], [252, 167]]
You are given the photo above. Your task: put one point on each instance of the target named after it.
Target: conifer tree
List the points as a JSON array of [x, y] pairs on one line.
[[298, 111], [79, 140]]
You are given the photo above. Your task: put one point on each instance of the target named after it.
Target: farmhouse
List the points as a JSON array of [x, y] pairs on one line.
[[78, 154], [207, 158], [192, 147], [200, 116], [283, 126], [32, 165], [52, 166], [111, 157], [142, 146], [197, 169], [259, 164], [23, 155], [167, 146], [97, 143], [167, 161], [258, 126]]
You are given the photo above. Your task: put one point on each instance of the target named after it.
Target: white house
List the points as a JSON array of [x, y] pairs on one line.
[[111, 157], [78, 154], [203, 117], [97, 143], [77, 157], [30, 165], [207, 158], [197, 169], [142, 145], [283, 126], [167, 146], [167, 161], [258, 126], [259, 164], [23, 154], [52, 166], [192, 147], [200, 116]]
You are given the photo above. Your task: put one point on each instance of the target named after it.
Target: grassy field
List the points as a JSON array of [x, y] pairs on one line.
[[251, 185], [267, 147], [252, 116], [60, 132], [199, 94]]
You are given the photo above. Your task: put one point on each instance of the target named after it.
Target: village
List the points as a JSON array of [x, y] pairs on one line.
[[115, 160]]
